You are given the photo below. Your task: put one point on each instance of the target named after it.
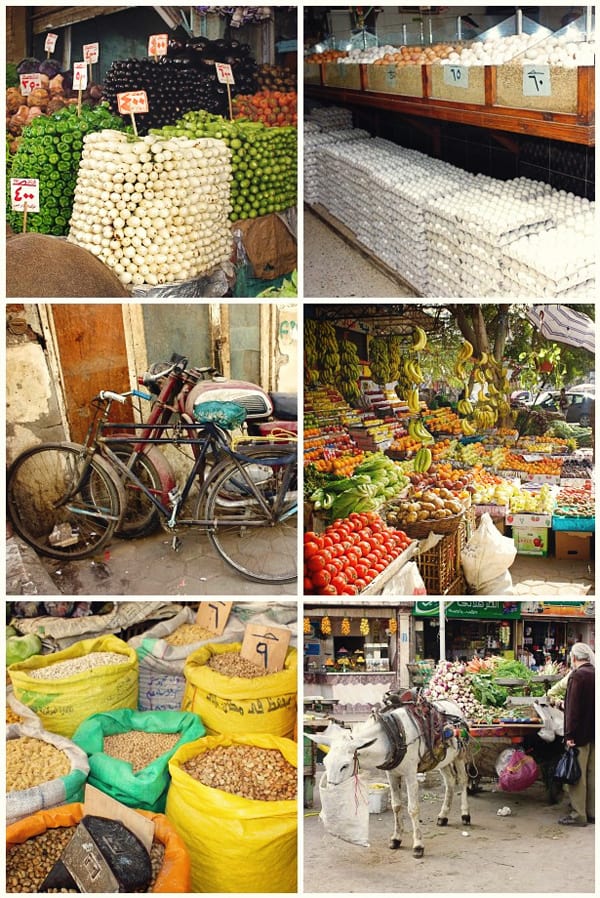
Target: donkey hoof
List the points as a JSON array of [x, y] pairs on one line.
[[418, 851], [466, 819], [395, 843], [442, 821]]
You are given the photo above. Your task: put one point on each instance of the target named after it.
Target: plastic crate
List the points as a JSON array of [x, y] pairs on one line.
[[587, 525]]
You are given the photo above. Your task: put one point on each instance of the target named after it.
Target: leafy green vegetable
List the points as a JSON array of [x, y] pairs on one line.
[[19, 648], [507, 670], [488, 692]]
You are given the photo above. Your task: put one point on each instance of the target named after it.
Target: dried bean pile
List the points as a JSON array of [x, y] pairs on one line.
[[31, 762], [231, 664], [139, 747], [28, 863], [12, 716], [63, 669], [187, 633], [262, 774]]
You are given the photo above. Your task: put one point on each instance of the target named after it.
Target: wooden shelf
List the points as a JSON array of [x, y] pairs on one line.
[[576, 127]]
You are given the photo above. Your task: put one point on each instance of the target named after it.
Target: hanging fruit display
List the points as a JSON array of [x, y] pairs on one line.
[[393, 625], [328, 356], [326, 626], [345, 627], [349, 372], [307, 626], [364, 626], [379, 361]]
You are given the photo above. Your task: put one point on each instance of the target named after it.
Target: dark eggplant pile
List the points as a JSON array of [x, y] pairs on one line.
[[202, 54]]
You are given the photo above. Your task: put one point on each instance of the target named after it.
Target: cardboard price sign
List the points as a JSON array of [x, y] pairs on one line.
[[29, 83], [80, 77], [224, 73], [266, 646], [214, 616], [50, 42], [99, 804], [25, 194], [91, 53], [157, 44], [132, 102]]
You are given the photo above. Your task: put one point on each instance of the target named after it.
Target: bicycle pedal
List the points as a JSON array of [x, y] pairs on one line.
[[176, 543]]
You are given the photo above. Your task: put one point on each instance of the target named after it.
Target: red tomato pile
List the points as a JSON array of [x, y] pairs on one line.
[[349, 554], [271, 107]]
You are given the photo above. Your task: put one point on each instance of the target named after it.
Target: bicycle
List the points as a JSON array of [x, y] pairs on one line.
[[67, 500]]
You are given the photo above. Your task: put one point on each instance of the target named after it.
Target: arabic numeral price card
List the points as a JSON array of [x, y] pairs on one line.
[[456, 76], [537, 81]]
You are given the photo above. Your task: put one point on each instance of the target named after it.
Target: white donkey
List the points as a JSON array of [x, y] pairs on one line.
[[396, 741]]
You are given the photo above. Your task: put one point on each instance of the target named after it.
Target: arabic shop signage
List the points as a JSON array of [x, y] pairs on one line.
[[560, 609], [471, 610]]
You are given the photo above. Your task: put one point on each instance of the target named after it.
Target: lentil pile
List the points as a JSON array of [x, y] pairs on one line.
[[28, 863], [231, 664], [139, 747], [63, 669], [31, 762], [262, 774], [12, 716], [188, 633]]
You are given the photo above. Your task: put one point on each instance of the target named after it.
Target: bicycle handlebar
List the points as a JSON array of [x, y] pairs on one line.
[[111, 396]]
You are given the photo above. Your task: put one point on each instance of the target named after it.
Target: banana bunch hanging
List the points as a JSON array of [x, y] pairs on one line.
[[307, 626], [349, 372], [345, 627], [311, 373], [326, 626], [364, 626], [379, 361], [395, 356], [328, 356]]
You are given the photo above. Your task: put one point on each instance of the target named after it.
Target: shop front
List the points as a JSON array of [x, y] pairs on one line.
[[471, 628], [551, 628]]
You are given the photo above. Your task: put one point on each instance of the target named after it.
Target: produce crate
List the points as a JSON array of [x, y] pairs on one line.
[[346, 75], [531, 540], [471, 90], [563, 88], [575, 546], [439, 567], [312, 73], [404, 81], [458, 587], [562, 523]]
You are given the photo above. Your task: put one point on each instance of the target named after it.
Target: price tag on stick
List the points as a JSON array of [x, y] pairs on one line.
[[29, 83], [133, 102], [50, 43], [266, 646], [213, 616], [225, 76], [25, 196], [80, 79], [91, 54], [157, 45]]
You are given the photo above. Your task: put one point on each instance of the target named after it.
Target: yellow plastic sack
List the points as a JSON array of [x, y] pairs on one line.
[[62, 704], [235, 844], [236, 705]]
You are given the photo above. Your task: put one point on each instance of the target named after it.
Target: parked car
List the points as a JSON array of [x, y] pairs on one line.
[[580, 408]]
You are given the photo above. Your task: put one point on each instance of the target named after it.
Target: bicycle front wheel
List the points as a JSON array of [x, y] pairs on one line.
[[61, 503], [253, 511]]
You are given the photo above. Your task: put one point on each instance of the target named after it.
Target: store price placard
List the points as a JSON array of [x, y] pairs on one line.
[[157, 44], [132, 102], [25, 194], [456, 76], [30, 83], [537, 81], [224, 73], [80, 78], [91, 53], [213, 616], [266, 646], [50, 42]]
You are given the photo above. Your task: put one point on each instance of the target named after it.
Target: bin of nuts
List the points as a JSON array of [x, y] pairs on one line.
[[34, 844], [222, 786], [43, 770], [129, 752], [233, 696]]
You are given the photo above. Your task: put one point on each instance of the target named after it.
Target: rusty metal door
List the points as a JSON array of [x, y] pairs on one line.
[[90, 341]]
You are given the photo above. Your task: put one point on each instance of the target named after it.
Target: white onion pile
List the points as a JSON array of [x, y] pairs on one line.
[[154, 210], [450, 681], [559, 51]]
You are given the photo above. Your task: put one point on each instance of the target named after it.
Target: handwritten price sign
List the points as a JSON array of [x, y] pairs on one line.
[[50, 42], [537, 81], [213, 616], [91, 53], [266, 646], [157, 44], [29, 83], [79, 75], [132, 102], [224, 73], [25, 192]]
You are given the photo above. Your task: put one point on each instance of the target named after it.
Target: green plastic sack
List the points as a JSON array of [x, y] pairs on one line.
[[147, 788], [226, 414]]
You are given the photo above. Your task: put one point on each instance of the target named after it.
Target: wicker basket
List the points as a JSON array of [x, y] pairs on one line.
[[421, 529], [440, 567]]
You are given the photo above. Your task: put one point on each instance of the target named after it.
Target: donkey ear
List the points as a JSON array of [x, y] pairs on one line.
[[362, 745]]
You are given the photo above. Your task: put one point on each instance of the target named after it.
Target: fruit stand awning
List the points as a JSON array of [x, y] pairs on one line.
[[564, 325], [395, 318]]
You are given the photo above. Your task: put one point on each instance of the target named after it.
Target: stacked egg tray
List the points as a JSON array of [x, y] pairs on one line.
[[313, 141]]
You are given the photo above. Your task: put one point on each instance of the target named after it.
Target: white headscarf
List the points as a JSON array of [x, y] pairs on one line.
[[582, 652]]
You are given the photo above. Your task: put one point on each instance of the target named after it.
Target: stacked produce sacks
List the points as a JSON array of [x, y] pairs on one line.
[[155, 211]]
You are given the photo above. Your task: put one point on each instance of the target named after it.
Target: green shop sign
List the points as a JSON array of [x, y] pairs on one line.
[[471, 610]]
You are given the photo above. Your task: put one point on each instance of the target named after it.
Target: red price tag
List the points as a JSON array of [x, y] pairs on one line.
[[79, 75], [224, 73], [25, 192], [157, 44], [29, 83], [91, 53], [50, 42], [132, 102]]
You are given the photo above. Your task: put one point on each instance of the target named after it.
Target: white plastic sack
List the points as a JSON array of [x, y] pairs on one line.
[[500, 586], [487, 555], [407, 582], [345, 810]]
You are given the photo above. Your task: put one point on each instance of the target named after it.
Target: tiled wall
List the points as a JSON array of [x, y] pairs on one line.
[[566, 166]]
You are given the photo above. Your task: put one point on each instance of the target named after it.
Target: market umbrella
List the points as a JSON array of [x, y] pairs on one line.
[[564, 325]]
